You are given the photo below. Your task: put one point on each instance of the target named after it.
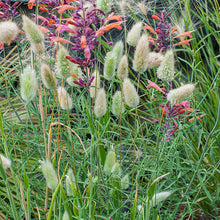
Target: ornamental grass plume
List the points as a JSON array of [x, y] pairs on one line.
[[154, 59], [64, 98], [159, 197], [6, 163], [100, 107], [166, 69], [32, 31], [116, 170], [28, 83], [109, 66], [109, 162], [70, 179], [131, 96], [118, 52], [117, 104], [178, 94], [47, 76], [134, 34], [104, 5], [140, 62], [64, 67], [122, 71], [125, 182], [66, 216], [49, 174], [95, 85], [9, 31]]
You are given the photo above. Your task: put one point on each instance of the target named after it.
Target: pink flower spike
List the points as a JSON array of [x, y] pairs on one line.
[[154, 85], [186, 104]]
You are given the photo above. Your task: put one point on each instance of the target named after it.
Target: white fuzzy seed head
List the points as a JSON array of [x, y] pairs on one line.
[[64, 98], [32, 31], [140, 62], [122, 71], [109, 162], [131, 96], [178, 94], [66, 216], [159, 197], [166, 69], [95, 85], [104, 5], [125, 182], [38, 48], [6, 163], [118, 52], [9, 31], [109, 66], [117, 104], [154, 59], [47, 76], [70, 179], [49, 174], [28, 83], [134, 34], [100, 107], [64, 67]]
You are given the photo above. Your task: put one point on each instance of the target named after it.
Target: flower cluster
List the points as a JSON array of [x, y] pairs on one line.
[[176, 112], [164, 38], [8, 10]]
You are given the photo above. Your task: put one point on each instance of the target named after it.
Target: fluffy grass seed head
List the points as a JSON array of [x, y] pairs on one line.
[[100, 107], [95, 85], [117, 104], [49, 174], [154, 59], [125, 182], [166, 69], [140, 62], [64, 67], [109, 66], [104, 5], [134, 34], [70, 179], [109, 162], [159, 197], [32, 31], [178, 94], [116, 170], [131, 96], [28, 83], [66, 216], [48, 78], [118, 51], [38, 48], [65, 100], [122, 71], [9, 31], [6, 163]]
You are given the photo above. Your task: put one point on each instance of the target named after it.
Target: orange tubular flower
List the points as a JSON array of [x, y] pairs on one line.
[[83, 41], [112, 16], [188, 34], [108, 27], [183, 42], [156, 17], [60, 40], [150, 29], [63, 8]]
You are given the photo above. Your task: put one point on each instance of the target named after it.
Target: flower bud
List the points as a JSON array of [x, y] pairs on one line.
[[100, 107], [9, 31], [32, 31], [28, 82], [154, 59], [47, 76], [140, 61], [109, 66], [166, 69], [125, 182], [64, 67], [64, 98], [6, 163], [95, 85], [134, 34], [117, 104], [122, 71], [130, 94], [66, 216], [118, 51], [49, 174], [70, 179], [109, 162], [178, 94]]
